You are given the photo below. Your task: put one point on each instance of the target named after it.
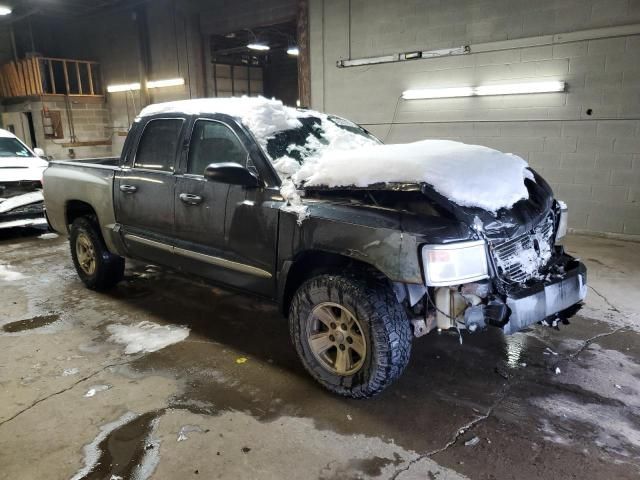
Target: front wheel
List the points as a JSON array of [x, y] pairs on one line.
[[351, 334], [98, 268]]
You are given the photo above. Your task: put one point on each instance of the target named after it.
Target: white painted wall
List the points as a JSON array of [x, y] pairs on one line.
[[592, 161]]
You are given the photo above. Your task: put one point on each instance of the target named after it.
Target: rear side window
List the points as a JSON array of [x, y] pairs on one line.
[[158, 145], [213, 142]]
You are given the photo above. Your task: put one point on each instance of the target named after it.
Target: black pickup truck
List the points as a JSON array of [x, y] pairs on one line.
[[358, 271]]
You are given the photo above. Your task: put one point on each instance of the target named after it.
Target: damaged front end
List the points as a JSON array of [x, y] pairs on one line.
[[508, 283], [21, 204]]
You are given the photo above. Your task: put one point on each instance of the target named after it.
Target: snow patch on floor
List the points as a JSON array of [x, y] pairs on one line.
[[8, 275], [96, 389], [67, 372], [92, 452], [185, 430], [151, 457], [146, 336], [48, 236]]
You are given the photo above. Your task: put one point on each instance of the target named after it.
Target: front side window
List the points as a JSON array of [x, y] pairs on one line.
[[213, 142], [316, 135], [10, 147], [159, 144]]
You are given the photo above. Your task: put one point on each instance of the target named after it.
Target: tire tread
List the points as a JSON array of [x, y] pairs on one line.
[[389, 326], [110, 267]]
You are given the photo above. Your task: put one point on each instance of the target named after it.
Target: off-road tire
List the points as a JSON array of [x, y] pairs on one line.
[[109, 268], [385, 328]]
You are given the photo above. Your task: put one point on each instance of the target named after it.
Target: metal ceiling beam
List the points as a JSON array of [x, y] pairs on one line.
[[66, 8]]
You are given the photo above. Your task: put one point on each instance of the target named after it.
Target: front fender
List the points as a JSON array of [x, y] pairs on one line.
[[382, 245]]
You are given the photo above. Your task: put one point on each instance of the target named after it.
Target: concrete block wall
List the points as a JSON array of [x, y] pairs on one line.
[[91, 123], [585, 142]]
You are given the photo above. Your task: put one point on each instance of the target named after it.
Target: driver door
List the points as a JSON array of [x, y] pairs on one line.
[[200, 204]]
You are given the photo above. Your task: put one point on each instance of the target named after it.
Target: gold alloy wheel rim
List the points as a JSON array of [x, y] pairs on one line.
[[86, 254], [335, 338]]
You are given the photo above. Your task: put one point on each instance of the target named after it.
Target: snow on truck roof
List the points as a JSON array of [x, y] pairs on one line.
[[309, 148], [262, 116]]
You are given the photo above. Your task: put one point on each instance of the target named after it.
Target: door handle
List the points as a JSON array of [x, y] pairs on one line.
[[128, 188], [191, 199]]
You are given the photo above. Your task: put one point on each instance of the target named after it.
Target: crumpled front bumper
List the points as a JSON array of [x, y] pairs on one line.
[[22, 210], [548, 298]]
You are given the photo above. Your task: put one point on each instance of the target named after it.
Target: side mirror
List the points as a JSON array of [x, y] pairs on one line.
[[39, 152], [232, 173]]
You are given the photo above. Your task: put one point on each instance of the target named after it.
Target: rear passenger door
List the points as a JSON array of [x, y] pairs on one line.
[[144, 190]]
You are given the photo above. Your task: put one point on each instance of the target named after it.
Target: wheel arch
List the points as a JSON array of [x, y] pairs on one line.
[[310, 263], [77, 208]]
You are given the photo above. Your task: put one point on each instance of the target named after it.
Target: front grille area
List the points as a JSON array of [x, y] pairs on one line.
[[32, 208], [24, 211], [12, 189], [521, 259]]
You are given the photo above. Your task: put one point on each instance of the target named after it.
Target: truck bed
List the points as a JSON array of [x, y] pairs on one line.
[[70, 183]]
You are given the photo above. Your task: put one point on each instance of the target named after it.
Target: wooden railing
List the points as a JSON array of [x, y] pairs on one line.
[[50, 76]]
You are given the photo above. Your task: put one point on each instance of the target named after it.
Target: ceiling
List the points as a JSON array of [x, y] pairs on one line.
[[62, 8], [234, 45]]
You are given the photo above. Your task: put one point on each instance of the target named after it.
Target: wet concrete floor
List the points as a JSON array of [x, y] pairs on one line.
[[232, 400]]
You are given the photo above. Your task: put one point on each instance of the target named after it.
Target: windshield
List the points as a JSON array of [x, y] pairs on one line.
[[12, 147], [314, 136]]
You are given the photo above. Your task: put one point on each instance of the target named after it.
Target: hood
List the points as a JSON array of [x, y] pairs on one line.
[[472, 176], [16, 169], [422, 209], [506, 223]]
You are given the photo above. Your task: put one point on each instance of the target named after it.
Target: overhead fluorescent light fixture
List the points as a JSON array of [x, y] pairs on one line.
[[123, 88], [293, 50], [258, 46], [128, 87], [482, 90], [4, 10], [171, 82], [437, 93]]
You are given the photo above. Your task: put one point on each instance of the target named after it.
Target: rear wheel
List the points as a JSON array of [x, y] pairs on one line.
[[351, 334], [98, 268]]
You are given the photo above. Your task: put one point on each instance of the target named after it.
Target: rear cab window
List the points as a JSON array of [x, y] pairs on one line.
[[158, 145]]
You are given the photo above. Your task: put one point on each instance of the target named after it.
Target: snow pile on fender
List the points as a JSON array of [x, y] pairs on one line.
[[469, 175]]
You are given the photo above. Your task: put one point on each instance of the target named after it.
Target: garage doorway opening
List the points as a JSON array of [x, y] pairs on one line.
[[258, 61]]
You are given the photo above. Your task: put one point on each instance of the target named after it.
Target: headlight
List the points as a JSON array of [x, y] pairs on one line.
[[564, 219], [455, 263]]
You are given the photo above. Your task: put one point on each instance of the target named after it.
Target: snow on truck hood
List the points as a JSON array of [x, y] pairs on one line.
[[334, 153], [468, 175]]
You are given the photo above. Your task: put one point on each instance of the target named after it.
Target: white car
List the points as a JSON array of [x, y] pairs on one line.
[[21, 170]]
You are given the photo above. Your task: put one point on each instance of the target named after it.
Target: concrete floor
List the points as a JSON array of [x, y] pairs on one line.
[[543, 404]]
